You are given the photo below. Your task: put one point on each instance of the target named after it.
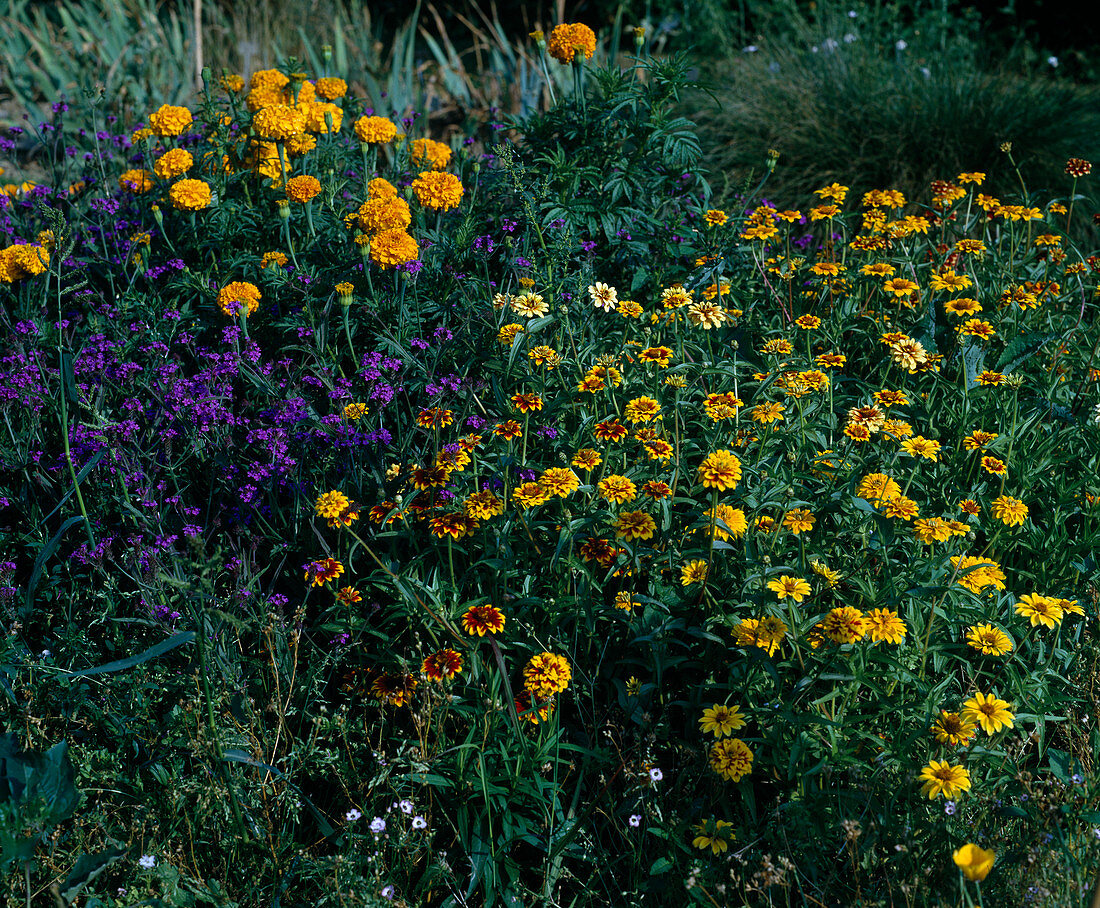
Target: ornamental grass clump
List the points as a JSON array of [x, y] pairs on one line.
[[375, 527]]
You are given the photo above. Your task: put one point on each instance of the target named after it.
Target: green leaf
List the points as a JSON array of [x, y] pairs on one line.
[[88, 867], [40, 563], [659, 866], [152, 652]]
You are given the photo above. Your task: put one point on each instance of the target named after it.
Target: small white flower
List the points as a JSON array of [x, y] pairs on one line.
[[147, 861], [1052, 60], [830, 44], [751, 49], [849, 38], [377, 825], [419, 823], [406, 805], [352, 815], [387, 893], [1096, 414], [901, 44], [655, 775], [636, 820], [852, 14], [814, 49], [926, 72]]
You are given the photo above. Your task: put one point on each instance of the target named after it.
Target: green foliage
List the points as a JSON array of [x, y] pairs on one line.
[[840, 101], [36, 794], [621, 166], [264, 646]]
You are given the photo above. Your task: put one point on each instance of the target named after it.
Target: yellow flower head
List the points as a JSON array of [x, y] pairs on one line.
[[546, 674], [973, 861], [720, 470], [570, 39], [438, 191]]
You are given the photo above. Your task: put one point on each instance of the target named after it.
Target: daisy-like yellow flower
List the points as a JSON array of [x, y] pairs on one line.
[[720, 470], [526, 403], [1010, 511], [713, 834], [973, 861], [767, 413], [976, 327], [727, 521], [559, 481], [617, 489], [930, 530], [832, 578], [546, 674], [331, 505], [884, 626], [942, 778], [483, 505], [844, 624], [508, 333], [323, 570], [657, 490], [766, 633], [901, 508], [794, 587], [721, 721], [988, 712], [962, 307], [830, 360], [633, 525], [642, 409], [731, 758], [530, 305], [799, 521], [661, 356], [877, 488], [693, 572], [989, 640], [587, 459], [952, 729], [1040, 609], [529, 495], [900, 286], [977, 440], [457, 525], [975, 574], [919, 446]]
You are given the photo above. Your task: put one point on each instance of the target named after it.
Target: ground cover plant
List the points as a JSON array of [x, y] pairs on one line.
[[388, 521]]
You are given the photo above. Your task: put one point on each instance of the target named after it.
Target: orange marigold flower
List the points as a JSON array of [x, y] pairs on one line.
[[169, 120], [190, 195], [437, 155], [393, 247], [239, 297], [375, 130], [438, 191], [570, 39], [302, 188]]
